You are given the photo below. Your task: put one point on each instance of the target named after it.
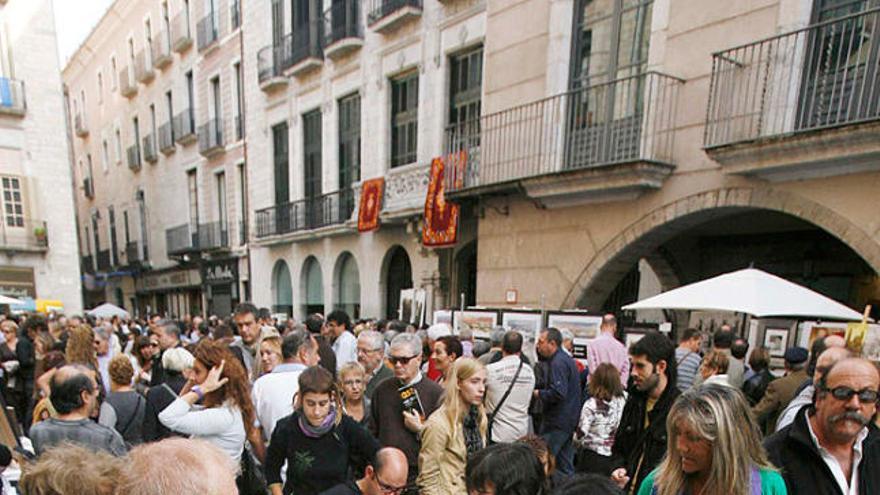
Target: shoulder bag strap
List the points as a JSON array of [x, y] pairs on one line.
[[491, 417], [137, 409], [684, 357]]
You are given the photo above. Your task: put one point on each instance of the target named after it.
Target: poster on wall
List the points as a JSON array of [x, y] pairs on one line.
[[480, 323], [776, 341], [583, 327], [419, 299], [405, 311]]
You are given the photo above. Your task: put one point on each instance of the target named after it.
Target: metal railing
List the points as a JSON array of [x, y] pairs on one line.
[[181, 34], [306, 214], [307, 42], [132, 253], [185, 239], [379, 9], [235, 14], [134, 157], [79, 125], [184, 126], [87, 264], [127, 85], [21, 233], [166, 137], [269, 63], [161, 49], [207, 31], [625, 120], [211, 136], [104, 260], [143, 65], [12, 97], [242, 232], [824, 75], [181, 239], [88, 187], [341, 21], [213, 235], [149, 147]]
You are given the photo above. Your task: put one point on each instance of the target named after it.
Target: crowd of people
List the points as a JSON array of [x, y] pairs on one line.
[[252, 405]]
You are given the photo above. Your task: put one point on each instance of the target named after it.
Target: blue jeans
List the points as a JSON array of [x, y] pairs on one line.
[[560, 446]]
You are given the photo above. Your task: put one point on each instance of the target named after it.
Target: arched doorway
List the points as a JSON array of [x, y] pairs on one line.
[[312, 287], [282, 289], [466, 275], [723, 230], [398, 276], [347, 291]]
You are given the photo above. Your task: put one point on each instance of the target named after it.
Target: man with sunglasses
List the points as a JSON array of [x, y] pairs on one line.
[[386, 475], [833, 447], [389, 422]]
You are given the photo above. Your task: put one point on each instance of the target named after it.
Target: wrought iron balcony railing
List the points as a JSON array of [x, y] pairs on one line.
[[12, 99], [104, 260], [134, 157], [17, 233], [184, 127], [341, 21], [143, 62], [166, 138], [87, 264], [181, 33], [822, 76], [380, 9], [88, 187], [211, 137], [235, 14], [621, 121], [149, 148], [306, 214], [127, 84], [207, 31], [161, 49], [307, 42], [206, 236], [269, 63]]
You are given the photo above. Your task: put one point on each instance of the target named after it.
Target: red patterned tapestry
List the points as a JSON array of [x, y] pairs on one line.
[[441, 217], [371, 203]]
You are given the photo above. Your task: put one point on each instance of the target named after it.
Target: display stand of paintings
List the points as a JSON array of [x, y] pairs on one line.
[[479, 322], [869, 337], [634, 333], [529, 324], [583, 327]]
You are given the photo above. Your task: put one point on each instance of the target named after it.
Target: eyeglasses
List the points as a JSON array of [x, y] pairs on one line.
[[866, 395], [401, 359], [386, 488]]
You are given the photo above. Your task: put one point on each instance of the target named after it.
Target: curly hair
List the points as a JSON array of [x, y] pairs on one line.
[[237, 389], [121, 370], [81, 347], [68, 468]]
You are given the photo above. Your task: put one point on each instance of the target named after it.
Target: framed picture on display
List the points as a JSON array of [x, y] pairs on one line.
[[529, 324], [776, 341], [480, 323], [584, 329], [443, 316]]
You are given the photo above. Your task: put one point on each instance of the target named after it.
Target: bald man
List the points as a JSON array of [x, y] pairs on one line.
[[833, 447], [826, 360], [179, 465], [387, 474]]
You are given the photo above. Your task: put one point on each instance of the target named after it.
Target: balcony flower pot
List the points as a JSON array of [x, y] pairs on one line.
[[40, 235]]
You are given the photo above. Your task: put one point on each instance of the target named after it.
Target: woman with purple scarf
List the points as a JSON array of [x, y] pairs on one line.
[[318, 441]]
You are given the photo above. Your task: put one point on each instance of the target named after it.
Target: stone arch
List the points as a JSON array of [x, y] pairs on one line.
[[615, 258], [311, 286], [396, 265], [282, 288], [347, 284]]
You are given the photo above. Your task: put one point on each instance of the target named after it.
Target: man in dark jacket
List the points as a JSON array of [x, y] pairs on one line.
[[641, 436], [833, 446], [561, 399]]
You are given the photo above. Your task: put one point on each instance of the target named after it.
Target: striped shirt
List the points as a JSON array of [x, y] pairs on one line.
[[84, 432], [688, 365]]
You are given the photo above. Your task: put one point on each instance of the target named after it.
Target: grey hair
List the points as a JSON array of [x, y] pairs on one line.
[[177, 359], [412, 341], [496, 337], [100, 331], [169, 327], [567, 335], [389, 336], [372, 338]]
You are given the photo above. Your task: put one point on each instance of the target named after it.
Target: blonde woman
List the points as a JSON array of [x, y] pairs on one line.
[[714, 448], [270, 353], [352, 382], [455, 431]]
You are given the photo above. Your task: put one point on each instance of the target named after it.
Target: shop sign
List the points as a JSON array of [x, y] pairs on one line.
[[171, 280], [18, 282], [220, 272]]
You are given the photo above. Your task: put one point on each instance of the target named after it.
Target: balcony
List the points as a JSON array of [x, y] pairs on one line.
[[149, 147], [185, 127], [88, 188], [181, 34], [385, 16], [207, 31], [183, 239], [800, 105], [80, 126], [405, 191], [135, 257], [242, 232], [143, 63], [87, 264], [134, 157], [12, 100], [235, 14], [19, 234], [610, 141], [211, 137], [127, 85], [161, 50], [306, 53], [270, 71], [104, 260], [166, 138], [308, 214], [342, 29]]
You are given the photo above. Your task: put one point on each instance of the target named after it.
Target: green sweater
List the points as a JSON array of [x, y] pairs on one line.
[[771, 483]]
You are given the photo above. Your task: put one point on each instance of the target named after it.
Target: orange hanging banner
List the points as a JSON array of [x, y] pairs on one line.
[[371, 203], [441, 217]]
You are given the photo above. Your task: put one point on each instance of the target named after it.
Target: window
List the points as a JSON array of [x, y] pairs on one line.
[[193, 189], [280, 160], [118, 146], [105, 156], [190, 95], [13, 205], [153, 120], [465, 86], [349, 140], [277, 22], [135, 124], [242, 199], [126, 230], [114, 73], [100, 88], [86, 241], [239, 113], [82, 103], [215, 109], [312, 153], [97, 237], [114, 248], [142, 213], [169, 104], [221, 200], [404, 119]]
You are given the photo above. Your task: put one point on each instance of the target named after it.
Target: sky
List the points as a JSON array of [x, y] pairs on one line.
[[74, 20]]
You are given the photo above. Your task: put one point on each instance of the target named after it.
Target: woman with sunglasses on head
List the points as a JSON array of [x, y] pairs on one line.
[[319, 443], [714, 448], [455, 432]]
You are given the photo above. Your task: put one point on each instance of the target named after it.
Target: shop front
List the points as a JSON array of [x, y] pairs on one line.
[[173, 293], [220, 286]]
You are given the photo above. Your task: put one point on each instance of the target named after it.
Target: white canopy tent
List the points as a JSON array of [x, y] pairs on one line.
[[753, 292], [10, 300], [108, 311]]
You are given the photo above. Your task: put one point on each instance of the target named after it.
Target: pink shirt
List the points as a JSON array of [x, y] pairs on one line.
[[607, 349]]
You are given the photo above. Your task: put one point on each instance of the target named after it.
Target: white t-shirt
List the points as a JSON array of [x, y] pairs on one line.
[[223, 426], [273, 395], [345, 348], [512, 420]]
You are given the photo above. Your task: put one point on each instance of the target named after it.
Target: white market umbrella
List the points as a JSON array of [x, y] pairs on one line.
[[10, 300], [108, 311], [750, 291]]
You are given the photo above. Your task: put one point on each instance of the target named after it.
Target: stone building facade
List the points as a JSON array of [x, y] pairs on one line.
[[156, 106], [38, 250]]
